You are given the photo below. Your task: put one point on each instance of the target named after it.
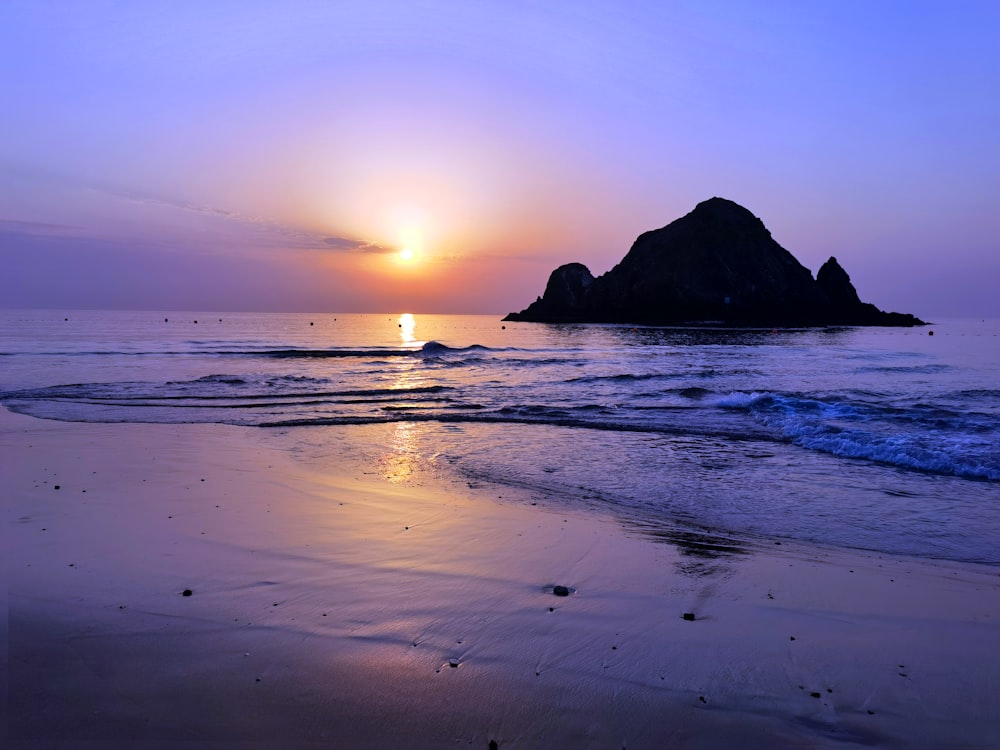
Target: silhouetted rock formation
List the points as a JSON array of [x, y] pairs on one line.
[[718, 264]]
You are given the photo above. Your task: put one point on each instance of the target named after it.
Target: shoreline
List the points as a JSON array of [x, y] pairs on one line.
[[327, 603]]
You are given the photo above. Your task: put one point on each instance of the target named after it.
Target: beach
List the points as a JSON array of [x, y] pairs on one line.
[[337, 603]]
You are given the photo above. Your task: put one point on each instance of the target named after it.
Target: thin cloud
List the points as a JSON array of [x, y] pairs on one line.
[[13, 226], [290, 235], [148, 199], [348, 245]]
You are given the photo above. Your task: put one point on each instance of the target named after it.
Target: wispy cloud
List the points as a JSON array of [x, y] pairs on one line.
[[348, 245], [12, 226], [273, 232]]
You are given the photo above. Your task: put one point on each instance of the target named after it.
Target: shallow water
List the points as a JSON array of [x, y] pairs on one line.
[[879, 438]]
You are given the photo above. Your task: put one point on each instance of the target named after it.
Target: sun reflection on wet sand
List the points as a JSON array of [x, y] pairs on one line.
[[401, 462]]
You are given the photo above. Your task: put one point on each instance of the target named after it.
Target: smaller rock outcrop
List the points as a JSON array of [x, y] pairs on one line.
[[834, 282], [565, 293]]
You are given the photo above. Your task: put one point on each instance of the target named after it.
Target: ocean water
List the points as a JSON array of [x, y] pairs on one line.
[[885, 439]]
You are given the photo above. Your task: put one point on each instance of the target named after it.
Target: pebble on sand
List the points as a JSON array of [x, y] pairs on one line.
[[186, 592], [560, 590], [689, 616]]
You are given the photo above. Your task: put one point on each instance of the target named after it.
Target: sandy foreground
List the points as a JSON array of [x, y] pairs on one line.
[[330, 599]]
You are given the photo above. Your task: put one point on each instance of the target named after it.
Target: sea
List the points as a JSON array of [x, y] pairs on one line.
[[881, 439]]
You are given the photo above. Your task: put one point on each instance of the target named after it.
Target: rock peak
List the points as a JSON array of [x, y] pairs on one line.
[[722, 208]]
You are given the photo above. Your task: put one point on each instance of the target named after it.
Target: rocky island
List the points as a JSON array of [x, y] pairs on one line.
[[718, 265]]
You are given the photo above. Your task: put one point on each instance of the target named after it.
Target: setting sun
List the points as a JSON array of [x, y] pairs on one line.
[[406, 254]]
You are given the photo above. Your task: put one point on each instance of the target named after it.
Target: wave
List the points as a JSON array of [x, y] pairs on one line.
[[428, 349], [225, 379], [953, 433], [930, 369], [624, 377], [665, 375], [980, 393], [523, 416], [208, 388], [939, 443]]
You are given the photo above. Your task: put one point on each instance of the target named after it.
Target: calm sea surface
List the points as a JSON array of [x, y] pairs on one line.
[[878, 438]]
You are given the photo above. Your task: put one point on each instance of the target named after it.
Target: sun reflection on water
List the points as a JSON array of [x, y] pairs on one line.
[[407, 326]]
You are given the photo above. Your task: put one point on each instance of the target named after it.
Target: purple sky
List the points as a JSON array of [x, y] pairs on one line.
[[278, 156]]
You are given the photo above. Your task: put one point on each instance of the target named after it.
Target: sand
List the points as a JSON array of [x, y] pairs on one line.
[[329, 598]]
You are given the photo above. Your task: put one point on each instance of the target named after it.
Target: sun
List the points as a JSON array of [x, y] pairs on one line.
[[406, 254]]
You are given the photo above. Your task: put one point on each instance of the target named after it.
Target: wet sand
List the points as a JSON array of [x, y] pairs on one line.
[[329, 599]]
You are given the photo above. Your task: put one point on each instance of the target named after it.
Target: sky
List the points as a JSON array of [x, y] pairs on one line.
[[267, 156]]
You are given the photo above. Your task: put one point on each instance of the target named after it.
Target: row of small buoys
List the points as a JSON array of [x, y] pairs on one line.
[[167, 320]]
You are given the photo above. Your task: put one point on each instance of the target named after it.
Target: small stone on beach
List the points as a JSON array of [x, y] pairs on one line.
[[560, 590], [689, 616], [453, 663], [186, 592]]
